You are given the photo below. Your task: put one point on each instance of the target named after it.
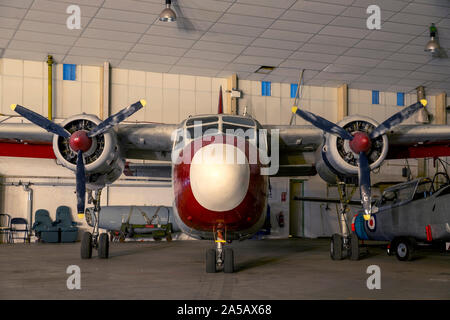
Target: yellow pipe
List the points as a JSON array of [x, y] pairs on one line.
[[50, 86]]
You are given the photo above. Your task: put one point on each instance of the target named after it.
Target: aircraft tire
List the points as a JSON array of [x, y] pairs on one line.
[[355, 252], [103, 246], [86, 246], [404, 249], [336, 247], [228, 266], [211, 261]]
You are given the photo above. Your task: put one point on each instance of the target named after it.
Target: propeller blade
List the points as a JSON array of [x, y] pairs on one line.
[[41, 121], [364, 185], [81, 183], [322, 123], [116, 118], [397, 118]]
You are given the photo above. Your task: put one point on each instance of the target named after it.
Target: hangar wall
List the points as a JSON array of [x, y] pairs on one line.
[[171, 98]]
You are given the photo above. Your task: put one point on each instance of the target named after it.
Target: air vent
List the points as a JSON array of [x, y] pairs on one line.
[[265, 69]]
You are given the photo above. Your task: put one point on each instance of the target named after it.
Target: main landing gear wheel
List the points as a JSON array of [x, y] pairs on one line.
[[404, 249], [228, 266], [336, 247], [103, 246], [86, 246], [354, 249], [211, 261]]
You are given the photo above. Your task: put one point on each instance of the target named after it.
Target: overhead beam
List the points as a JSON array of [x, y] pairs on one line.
[[232, 103], [104, 91], [342, 102], [441, 109]]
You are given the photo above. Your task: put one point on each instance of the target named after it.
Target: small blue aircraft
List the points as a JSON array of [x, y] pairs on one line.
[[408, 214]]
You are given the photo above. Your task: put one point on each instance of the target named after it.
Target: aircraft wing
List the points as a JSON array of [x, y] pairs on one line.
[[405, 141], [419, 141], [147, 141]]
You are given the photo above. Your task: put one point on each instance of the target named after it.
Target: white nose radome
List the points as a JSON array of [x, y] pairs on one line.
[[220, 176]]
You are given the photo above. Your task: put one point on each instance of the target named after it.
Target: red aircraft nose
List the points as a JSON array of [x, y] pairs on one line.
[[80, 141], [360, 143]]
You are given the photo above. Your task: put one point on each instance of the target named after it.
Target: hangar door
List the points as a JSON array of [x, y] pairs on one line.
[[296, 209]]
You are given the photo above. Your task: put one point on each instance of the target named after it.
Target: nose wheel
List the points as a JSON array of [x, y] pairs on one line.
[[219, 258], [95, 240]]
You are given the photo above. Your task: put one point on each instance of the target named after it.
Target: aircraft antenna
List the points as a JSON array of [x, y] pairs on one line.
[[297, 95]]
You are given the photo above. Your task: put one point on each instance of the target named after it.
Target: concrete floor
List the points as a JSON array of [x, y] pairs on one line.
[[267, 269]]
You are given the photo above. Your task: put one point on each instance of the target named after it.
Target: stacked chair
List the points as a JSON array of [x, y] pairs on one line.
[[67, 227], [63, 229], [44, 228]]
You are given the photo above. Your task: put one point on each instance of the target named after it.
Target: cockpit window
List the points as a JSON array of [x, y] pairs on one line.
[[244, 132], [193, 121], [197, 131], [423, 190], [238, 120]]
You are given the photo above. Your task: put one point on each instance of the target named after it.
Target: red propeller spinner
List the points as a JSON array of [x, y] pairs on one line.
[[79, 140], [360, 143]]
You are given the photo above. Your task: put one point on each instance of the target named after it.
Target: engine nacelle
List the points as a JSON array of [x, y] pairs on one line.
[[336, 159], [103, 161]]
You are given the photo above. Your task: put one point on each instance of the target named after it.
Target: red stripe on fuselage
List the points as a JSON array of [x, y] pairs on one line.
[[195, 216]]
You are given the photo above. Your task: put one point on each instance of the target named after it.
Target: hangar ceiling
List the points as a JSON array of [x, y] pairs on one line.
[[328, 38]]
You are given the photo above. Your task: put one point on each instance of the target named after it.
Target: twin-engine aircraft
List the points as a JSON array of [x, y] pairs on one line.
[[220, 163]]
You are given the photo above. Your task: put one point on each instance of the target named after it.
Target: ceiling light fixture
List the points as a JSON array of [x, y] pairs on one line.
[[433, 45], [168, 15]]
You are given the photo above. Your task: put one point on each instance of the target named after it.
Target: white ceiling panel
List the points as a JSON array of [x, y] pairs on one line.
[[302, 64], [238, 30], [227, 38], [167, 41], [267, 52], [367, 53], [314, 57], [246, 20], [303, 16], [319, 7], [91, 52], [144, 57], [109, 24], [274, 43], [286, 35], [201, 63], [10, 12], [321, 48], [218, 47], [160, 50], [61, 7], [210, 55], [264, 61], [104, 44], [426, 9], [391, 5], [9, 23], [25, 4], [258, 11], [270, 3], [39, 47], [294, 25], [130, 16], [328, 38], [335, 41]]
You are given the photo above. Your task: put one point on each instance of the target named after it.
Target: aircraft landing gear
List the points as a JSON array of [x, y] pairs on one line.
[[404, 248], [345, 244], [95, 240], [220, 257]]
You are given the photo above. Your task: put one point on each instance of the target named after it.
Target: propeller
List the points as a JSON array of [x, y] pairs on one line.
[[360, 143], [80, 141]]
